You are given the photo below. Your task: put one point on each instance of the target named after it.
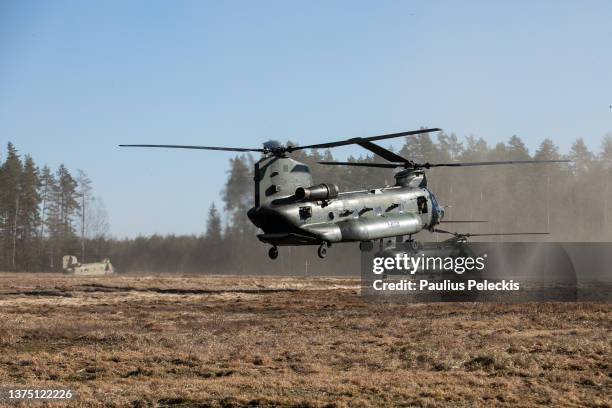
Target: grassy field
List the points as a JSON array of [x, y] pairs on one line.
[[229, 341]]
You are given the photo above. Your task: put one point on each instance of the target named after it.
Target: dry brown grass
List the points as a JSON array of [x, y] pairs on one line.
[[195, 341]]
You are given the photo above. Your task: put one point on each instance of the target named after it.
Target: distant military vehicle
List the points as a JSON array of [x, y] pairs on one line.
[[70, 265], [291, 210]]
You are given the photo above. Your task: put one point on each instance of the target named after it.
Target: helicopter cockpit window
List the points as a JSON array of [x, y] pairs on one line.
[[422, 205], [273, 189], [300, 168]]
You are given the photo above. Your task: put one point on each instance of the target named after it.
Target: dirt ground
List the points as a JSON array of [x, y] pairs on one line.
[[228, 341]]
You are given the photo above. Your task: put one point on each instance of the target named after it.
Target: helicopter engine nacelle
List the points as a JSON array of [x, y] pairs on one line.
[[318, 192]]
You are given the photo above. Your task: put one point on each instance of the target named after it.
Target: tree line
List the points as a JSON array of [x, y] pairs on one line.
[[42, 213], [572, 201], [46, 214]]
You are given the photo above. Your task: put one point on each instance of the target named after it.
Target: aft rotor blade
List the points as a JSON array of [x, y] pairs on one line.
[[460, 221], [443, 232], [361, 139], [491, 163], [227, 149], [489, 234], [429, 165], [357, 164], [505, 233]]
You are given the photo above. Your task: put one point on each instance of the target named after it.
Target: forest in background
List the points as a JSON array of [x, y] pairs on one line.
[[45, 214]]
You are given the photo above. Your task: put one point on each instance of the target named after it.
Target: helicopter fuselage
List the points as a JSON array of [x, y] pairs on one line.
[[295, 219], [352, 216]]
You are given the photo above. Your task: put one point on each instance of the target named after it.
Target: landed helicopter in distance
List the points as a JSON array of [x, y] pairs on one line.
[[291, 210]]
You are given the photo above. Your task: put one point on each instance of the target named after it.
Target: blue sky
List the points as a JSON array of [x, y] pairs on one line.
[[77, 78]]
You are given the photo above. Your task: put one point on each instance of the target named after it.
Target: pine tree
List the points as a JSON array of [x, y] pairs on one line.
[[449, 146], [47, 187], [476, 149], [213, 225], [420, 148], [238, 198], [61, 216], [548, 179], [516, 149], [67, 196], [97, 226], [238, 193], [11, 176], [581, 158], [582, 165], [547, 151], [214, 255], [29, 217], [606, 148], [83, 192], [49, 216]]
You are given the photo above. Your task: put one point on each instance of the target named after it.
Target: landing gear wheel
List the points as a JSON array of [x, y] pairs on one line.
[[322, 251], [412, 244], [273, 252]]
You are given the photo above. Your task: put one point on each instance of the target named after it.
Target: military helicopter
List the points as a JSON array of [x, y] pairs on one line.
[[291, 210]]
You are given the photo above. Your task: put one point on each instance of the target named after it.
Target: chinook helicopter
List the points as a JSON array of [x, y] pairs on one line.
[[291, 210]]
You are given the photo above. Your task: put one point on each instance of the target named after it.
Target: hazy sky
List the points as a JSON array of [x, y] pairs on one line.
[[77, 78]]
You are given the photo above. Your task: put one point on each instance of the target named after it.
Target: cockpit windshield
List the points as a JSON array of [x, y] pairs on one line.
[[300, 168]]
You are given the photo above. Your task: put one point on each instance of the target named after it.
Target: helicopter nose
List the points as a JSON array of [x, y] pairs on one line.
[[268, 220], [256, 217]]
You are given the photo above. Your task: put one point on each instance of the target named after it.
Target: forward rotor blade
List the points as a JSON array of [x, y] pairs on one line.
[[382, 152], [227, 149], [491, 163], [356, 140], [357, 164]]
